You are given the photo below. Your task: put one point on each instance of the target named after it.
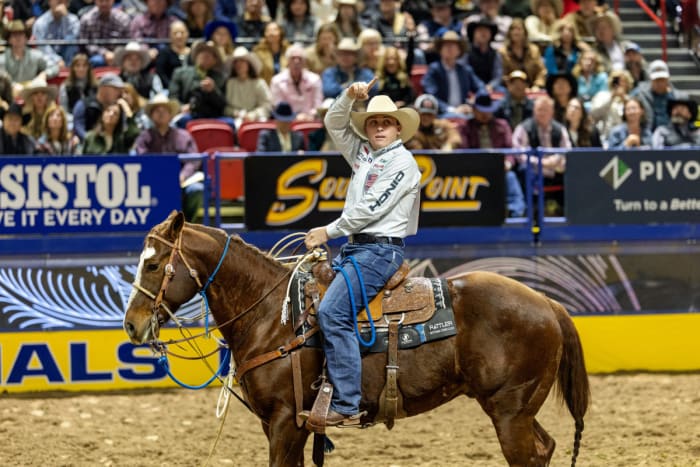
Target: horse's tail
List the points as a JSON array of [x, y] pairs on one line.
[[573, 385]]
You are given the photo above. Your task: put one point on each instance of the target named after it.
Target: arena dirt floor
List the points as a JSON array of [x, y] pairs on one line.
[[634, 420]]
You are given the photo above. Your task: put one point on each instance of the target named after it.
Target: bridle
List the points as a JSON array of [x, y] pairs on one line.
[[158, 299]]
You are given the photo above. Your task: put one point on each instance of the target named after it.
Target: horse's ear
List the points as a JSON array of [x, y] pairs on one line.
[[177, 222]]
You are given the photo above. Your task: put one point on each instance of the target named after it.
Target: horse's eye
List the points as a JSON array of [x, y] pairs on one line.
[[152, 267]]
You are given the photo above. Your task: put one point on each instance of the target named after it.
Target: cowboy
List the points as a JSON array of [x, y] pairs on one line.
[[21, 62], [335, 79], [12, 140], [200, 87], [162, 138], [133, 61], [38, 97], [450, 80], [681, 130], [381, 209]]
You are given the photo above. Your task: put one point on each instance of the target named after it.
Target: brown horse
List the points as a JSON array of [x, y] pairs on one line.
[[512, 343]]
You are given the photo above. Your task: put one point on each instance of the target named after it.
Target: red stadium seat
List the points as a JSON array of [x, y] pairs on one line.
[[232, 185], [306, 128], [248, 134], [417, 73], [102, 70], [210, 133], [57, 80]]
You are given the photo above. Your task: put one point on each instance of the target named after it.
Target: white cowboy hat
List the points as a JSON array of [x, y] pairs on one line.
[[131, 48], [39, 84], [162, 99], [383, 105], [241, 53]]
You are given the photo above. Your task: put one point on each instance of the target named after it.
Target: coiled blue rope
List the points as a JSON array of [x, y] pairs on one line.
[[163, 361], [373, 332], [203, 292]]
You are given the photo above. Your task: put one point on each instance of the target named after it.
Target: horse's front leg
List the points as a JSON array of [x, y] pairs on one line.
[[286, 440]]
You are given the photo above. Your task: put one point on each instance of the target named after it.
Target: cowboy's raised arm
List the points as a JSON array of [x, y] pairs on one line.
[[337, 120]]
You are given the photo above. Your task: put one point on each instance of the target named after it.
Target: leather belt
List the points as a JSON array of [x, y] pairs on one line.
[[367, 238]]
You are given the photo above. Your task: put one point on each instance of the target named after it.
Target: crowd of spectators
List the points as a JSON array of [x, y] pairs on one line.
[[497, 74]]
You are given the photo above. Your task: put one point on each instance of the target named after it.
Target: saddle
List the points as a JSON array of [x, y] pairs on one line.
[[408, 300], [402, 301]]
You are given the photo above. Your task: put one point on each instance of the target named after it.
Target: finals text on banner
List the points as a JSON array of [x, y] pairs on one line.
[[90, 193], [291, 192]]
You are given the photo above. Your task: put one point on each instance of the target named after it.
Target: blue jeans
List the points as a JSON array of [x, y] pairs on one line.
[[377, 262]]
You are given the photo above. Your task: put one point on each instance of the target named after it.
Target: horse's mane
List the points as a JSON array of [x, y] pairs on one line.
[[220, 235]]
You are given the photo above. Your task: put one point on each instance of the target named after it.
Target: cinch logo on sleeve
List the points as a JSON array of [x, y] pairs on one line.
[[384, 196], [615, 172]]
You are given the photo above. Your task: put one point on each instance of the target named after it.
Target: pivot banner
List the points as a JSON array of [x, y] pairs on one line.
[[290, 192], [87, 194], [640, 187]]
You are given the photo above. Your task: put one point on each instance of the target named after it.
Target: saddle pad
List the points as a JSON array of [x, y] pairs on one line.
[[440, 325]]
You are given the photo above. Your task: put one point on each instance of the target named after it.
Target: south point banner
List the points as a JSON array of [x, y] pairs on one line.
[[293, 192], [42, 195], [633, 187]]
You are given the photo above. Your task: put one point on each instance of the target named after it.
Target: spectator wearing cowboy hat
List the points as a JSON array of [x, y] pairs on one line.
[[515, 106], [200, 87], [484, 59], [133, 61], [154, 23], [336, 79], [38, 97], [433, 132], [428, 31], [297, 85], [449, 80], [248, 97], [223, 33], [484, 131], [561, 87], [681, 130], [12, 140], [57, 23], [282, 138], [103, 22], [489, 10], [607, 31], [540, 24], [162, 138], [22, 63], [381, 209]]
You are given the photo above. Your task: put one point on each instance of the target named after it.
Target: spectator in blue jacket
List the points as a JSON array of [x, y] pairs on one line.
[[337, 78], [450, 81]]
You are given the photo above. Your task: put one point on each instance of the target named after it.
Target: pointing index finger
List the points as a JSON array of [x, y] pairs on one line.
[[371, 83]]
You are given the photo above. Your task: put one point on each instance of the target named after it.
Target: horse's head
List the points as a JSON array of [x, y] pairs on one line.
[[163, 282]]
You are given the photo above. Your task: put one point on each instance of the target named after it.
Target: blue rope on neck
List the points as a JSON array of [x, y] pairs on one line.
[[203, 292], [163, 361], [373, 332]]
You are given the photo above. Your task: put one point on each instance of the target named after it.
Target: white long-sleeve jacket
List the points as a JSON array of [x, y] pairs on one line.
[[383, 196]]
